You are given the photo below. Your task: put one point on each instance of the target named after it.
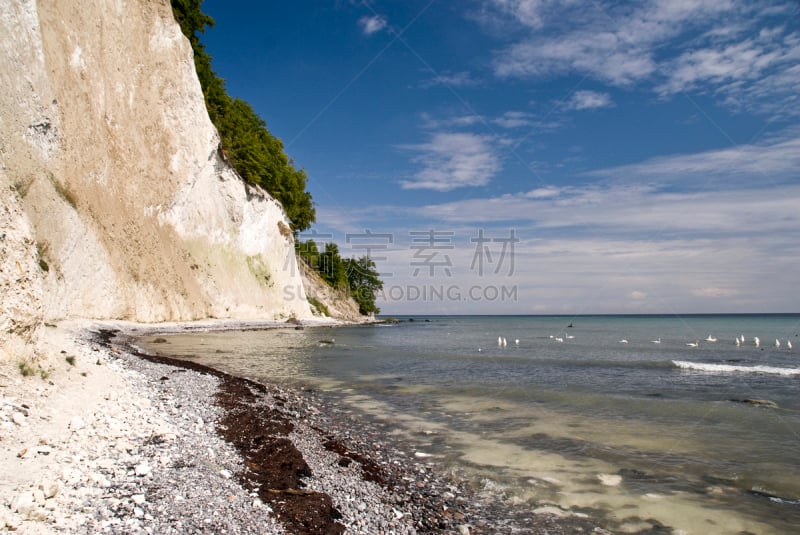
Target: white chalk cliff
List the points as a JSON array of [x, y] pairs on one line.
[[116, 201]]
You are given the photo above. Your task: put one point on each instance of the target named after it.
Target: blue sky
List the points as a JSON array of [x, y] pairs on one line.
[[537, 156]]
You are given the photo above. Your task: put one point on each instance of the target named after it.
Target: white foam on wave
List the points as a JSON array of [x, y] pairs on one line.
[[727, 368]]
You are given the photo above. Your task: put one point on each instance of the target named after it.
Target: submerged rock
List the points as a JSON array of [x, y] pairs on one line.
[[758, 402]]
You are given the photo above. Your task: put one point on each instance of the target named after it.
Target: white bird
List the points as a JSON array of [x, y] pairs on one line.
[[742, 339], [559, 339], [479, 350], [551, 337], [693, 344], [711, 339], [570, 337], [516, 341], [738, 343], [656, 341], [757, 341], [777, 343], [623, 341], [499, 340], [788, 344], [504, 342]]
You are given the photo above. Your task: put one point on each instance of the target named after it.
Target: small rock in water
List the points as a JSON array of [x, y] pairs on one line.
[[610, 480], [761, 403]]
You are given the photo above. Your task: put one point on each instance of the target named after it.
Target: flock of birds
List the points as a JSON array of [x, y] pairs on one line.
[[739, 341], [502, 342]]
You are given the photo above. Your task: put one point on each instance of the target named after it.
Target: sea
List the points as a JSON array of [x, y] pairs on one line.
[[674, 421]]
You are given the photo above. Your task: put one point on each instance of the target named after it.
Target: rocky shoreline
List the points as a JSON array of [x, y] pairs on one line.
[[176, 447]]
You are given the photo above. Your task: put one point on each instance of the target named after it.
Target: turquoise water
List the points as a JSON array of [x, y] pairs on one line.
[[632, 432]]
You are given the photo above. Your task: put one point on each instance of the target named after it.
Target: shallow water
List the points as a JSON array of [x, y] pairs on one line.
[[619, 431]]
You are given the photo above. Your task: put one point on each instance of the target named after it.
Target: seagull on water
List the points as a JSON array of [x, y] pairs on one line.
[[623, 341], [777, 343], [788, 344], [757, 341], [516, 341], [558, 339], [738, 343], [656, 341], [711, 339], [693, 344]]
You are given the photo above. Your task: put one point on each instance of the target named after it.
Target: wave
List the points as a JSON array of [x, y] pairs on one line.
[[727, 368]]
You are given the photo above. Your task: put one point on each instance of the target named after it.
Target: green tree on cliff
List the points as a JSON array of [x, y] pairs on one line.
[[256, 154], [364, 283]]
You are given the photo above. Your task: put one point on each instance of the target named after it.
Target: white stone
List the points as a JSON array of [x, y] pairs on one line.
[[38, 496], [96, 478], [18, 418], [143, 470], [77, 423], [23, 503], [225, 473], [49, 488], [10, 521], [138, 499]]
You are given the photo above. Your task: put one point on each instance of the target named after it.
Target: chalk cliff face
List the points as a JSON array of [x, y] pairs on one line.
[[112, 177]]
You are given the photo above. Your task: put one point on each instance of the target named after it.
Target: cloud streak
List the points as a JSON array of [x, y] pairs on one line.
[[772, 161], [372, 24], [588, 100], [451, 160]]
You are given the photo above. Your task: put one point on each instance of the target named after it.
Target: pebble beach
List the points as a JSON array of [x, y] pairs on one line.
[[112, 440]]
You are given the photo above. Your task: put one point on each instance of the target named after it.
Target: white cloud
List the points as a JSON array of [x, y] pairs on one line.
[[372, 24], [514, 119], [454, 79], [530, 13], [713, 291], [543, 193], [453, 160], [587, 100], [759, 74], [455, 121], [732, 49], [772, 160], [616, 44], [602, 55], [742, 60]]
